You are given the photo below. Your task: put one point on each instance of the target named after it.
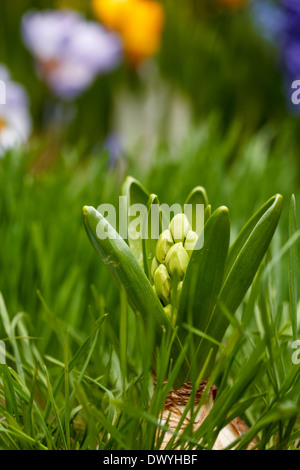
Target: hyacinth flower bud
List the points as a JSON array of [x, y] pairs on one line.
[[179, 227], [154, 266], [177, 261], [162, 283], [190, 241], [168, 311], [164, 243]]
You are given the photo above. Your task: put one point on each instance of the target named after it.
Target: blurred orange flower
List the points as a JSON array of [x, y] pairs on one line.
[[140, 23], [111, 12]]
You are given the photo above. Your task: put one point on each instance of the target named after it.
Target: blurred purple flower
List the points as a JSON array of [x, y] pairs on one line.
[[294, 5], [291, 47], [291, 36], [15, 119], [268, 18], [280, 23], [69, 50], [113, 146]]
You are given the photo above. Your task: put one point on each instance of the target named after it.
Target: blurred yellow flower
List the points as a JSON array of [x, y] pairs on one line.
[[111, 12], [140, 23]]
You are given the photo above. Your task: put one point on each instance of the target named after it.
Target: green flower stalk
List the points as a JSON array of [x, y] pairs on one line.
[[183, 281]]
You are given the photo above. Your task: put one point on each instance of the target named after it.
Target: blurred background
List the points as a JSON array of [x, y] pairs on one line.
[[177, 94], [231, 59]]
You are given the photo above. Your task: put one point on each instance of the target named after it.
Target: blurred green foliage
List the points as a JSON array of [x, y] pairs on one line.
[[222, 63], [213, 55]]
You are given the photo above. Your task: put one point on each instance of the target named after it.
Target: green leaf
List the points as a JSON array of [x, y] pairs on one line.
[[207, 213], [197, 196], [136, 194], [135, 191], [125, 270], [204, 276], [243, 261], [246, 231], [149, 242]]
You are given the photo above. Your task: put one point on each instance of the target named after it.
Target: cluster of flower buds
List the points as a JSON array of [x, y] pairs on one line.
[[173, 250]]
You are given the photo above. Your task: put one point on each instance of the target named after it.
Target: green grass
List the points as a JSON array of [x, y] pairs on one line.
[[78, 372]]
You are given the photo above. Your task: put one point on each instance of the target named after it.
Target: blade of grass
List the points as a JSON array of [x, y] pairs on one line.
[[10, 333], [55, 410], [79, 355], [67, 394], [10, 397], [293, 268]]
